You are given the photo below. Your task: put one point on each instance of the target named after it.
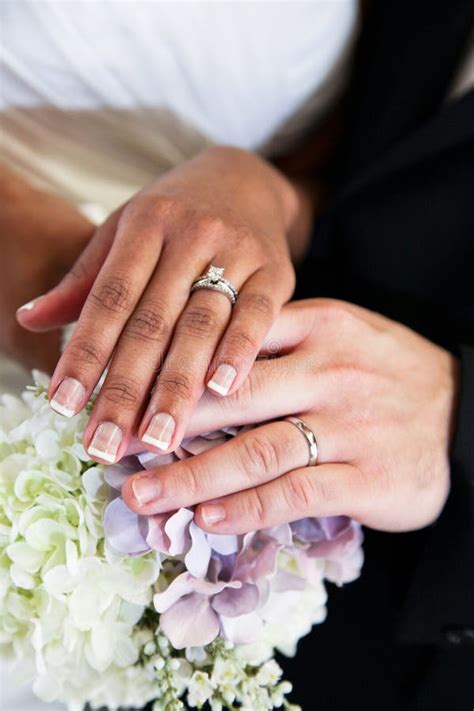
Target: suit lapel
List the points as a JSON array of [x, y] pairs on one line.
[[452, 126], [407, 57]]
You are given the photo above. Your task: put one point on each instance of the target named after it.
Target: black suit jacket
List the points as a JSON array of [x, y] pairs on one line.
[[398, 238]]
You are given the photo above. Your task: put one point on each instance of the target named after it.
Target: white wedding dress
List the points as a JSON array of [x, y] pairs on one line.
[[98, 98]]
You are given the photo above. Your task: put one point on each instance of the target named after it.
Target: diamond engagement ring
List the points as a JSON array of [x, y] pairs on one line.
[[214, 280]]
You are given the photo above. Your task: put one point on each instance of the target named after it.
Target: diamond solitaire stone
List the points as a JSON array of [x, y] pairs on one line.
[[214, 274]]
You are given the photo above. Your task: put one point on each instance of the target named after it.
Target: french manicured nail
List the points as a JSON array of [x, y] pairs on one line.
[[212, 513], [68, 397], [146, 489], [221, 381], [29, 306], [159, 432], [106, 442]]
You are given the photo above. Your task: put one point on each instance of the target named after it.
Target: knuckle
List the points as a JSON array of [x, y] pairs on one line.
[[299, 492], [197, 321], [189, 480], [246, 395], [209, 225], [145, 211], [78, 271], [113, 295], [148, 322], [258, 456], [85, 351], [258, 303], [241, 342], [323, 493], [341, 316], [178, 385], [120, 390], [255, 507]]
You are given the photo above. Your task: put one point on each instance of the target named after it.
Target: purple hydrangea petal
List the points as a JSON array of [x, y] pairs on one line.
[[281, 534], [204, 587], [198, 557], [116, 474], [122, 529], [232, 602], [215, 435], [181, 453], [177, 530], [308, 530], [349, 539], [223, 543], [182, 585], [221, 567], [334, 526], [151, 460], [190, 622], [198, 445], [156, 536], [258, 557]]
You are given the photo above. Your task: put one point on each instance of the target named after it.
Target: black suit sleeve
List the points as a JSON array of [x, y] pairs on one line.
[[440, 604]]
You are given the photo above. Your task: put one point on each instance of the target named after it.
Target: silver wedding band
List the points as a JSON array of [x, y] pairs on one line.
[[309, 436], [214, 280]]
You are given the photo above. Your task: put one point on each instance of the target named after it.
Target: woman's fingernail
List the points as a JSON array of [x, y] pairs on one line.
[[221, 381], [106, 442], [68, 397], [212, 513], [29, 306], [159, 432], [146, 489]]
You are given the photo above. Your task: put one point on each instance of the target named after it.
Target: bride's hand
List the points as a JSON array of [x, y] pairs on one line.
[[379, 400], [226, 207]]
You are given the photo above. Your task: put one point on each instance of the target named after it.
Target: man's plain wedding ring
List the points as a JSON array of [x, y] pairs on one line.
[[214, 280], [309, 436]]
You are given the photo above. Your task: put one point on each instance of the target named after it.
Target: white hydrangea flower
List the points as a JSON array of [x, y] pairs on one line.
[[67, 613], [200, 689]]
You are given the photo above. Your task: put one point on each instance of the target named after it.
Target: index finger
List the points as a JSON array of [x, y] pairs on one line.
[[255, 456], [252, 458]]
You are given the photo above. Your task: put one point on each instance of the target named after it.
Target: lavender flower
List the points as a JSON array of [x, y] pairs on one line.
[[227, 585]]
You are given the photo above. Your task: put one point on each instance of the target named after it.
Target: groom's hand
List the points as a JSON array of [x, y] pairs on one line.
[[379, 399]]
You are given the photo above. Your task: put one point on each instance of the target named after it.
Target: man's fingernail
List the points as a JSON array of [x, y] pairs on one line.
[[212, 513], [68, 397], [159, 432], [29, 306], [221, 381], [106, 442], [146, 489]]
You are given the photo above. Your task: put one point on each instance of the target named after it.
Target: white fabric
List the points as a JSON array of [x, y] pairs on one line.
[[98, 98], [234, 70]]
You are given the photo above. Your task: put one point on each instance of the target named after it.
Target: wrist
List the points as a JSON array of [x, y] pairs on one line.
[[298, 200], [310, 197]]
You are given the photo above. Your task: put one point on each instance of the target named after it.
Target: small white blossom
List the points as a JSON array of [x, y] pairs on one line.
[[200, 689]]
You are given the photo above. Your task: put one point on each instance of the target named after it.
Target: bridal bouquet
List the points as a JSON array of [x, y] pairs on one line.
[[101, 606]]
